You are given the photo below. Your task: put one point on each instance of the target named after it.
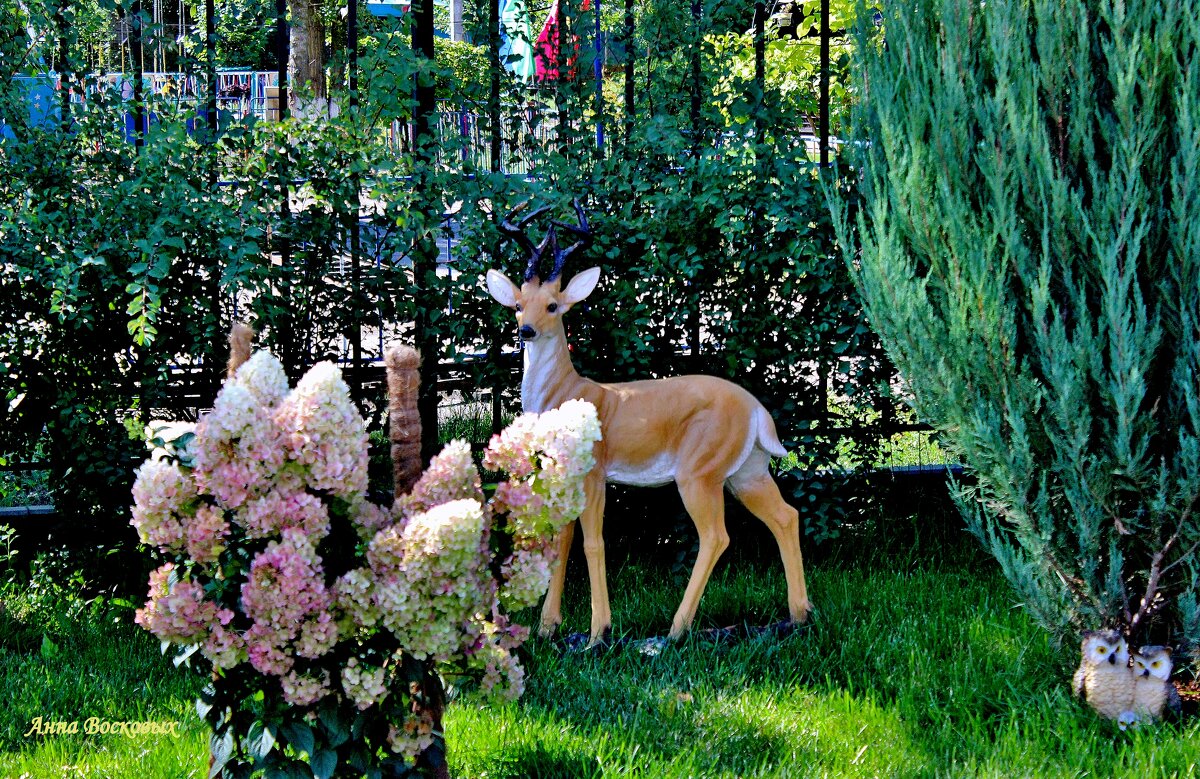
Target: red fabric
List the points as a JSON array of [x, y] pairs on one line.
[[546, 55]]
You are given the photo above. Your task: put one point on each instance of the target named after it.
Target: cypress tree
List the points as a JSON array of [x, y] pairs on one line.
[[1028, 246]]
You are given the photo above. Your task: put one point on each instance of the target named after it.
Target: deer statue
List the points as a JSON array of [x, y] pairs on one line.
[[701, 432]]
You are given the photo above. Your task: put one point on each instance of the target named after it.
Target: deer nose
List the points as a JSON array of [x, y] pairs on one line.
[[527, 332]]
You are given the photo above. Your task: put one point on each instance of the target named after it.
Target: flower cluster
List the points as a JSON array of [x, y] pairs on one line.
[[286, 598], [323, 431], [429, 579], [161, 494], [363, 684], [177, 610], [546, 457], [279, 559]]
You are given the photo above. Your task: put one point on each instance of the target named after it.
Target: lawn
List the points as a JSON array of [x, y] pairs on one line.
[[910, 668]]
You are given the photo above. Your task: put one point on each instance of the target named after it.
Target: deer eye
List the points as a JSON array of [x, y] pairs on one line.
[[518, 308], [552, 307]]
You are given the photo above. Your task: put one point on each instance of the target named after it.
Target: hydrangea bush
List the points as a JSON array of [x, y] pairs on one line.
[[328, 622]]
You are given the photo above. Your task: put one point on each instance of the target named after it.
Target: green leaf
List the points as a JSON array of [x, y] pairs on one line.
[[299, 735], [260, 740], [49, 648], [323, 763], [336, 731], [221, 748]]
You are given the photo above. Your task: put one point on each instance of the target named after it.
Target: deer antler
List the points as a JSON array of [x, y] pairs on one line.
[[581, 231], [517, 233]]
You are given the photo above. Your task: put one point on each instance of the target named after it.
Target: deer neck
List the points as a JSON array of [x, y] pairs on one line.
[[549, 377]]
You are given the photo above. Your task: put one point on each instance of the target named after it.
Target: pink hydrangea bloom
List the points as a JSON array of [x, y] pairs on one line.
[[451, 476], [263, 377], [354, 596], [281, 509], [161, 490], [224, 647], [206, 532], [503, 676], [526, 577], [176, 611], [323, 431], [369, 518], [286, 597], [547, 457]]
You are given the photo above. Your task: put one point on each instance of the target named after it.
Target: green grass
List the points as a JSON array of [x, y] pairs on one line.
[[909, 668]]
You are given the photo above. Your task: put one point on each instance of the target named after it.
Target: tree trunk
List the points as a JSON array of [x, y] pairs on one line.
[[308, 48]]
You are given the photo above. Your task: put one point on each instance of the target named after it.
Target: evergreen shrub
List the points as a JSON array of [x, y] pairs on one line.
[[1029, 251]]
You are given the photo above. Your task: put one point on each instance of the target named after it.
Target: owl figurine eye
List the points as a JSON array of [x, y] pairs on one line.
[[1101, 650]]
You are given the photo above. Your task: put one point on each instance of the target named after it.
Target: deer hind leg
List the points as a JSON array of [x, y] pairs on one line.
[[552, 606], [704, 500], [757, 491]]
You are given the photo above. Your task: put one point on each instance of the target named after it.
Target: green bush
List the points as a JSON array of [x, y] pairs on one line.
[[1030, 246], [123, 265]]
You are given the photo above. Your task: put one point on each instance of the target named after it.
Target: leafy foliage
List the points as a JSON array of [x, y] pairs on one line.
[[1029, 253], [124, 265]]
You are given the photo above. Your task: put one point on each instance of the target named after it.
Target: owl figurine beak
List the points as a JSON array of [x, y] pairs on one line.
[[1112, 659]]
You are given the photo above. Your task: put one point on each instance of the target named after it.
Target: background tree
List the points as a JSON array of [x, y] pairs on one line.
[[1029, 253], [306, 68]]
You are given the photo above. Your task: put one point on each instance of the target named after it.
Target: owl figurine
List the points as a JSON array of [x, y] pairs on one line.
[[1153, 694], [1104, 677]]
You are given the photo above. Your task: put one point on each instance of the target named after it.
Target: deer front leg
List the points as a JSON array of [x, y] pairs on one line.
[[592, 523], [552, 607], [704, 500]]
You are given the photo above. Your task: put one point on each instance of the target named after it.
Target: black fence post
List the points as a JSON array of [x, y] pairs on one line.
[[289, 341], [210, 51], [425, 254], [697, 76], [62, 66], [494, 66], [630, 103], [598, 71], [355, 226], [135, 52], [210, 115], [824, 104], [760, 68]]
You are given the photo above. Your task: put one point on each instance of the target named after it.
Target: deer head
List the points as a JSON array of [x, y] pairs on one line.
[[541, 301]]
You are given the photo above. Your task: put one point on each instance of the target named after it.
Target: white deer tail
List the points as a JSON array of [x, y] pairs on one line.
[[768, 439]]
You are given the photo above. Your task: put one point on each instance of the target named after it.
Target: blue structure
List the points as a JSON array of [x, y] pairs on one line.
[[44, 109]]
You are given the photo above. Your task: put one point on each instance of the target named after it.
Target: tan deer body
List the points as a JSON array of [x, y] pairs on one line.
[[702, 432]]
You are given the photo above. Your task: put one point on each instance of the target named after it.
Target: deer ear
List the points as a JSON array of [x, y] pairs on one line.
[[500, 288], [581, 286]]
